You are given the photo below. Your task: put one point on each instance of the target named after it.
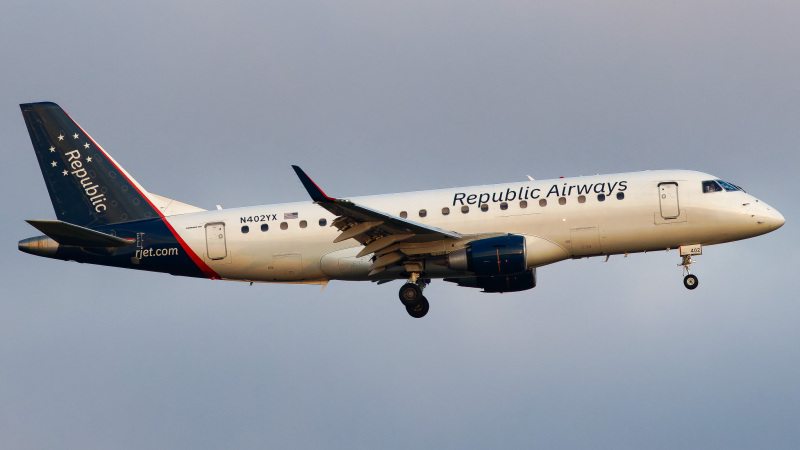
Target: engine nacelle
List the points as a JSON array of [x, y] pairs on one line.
[[510, 283], [502, 255]]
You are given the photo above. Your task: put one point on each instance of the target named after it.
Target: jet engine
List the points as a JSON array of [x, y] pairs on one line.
[[510, 283], [501, 255], [499, 265]]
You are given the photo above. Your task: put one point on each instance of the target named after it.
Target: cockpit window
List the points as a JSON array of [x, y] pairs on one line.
[[719, 185], [728, 186], [711, 186]]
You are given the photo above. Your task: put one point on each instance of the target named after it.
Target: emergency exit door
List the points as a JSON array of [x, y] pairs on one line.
[[668, 196], [215, 241]]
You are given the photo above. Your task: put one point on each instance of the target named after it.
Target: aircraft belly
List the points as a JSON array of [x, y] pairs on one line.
[[266, 261], [651, 232]]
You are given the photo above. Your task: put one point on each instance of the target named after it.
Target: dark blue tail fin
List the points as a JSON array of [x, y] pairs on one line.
[[87, 187]]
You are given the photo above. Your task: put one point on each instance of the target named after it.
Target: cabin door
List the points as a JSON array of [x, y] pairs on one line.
[[668, 197], [215, 241]]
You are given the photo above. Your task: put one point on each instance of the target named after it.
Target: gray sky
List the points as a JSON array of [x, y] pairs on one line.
[[210, 102]]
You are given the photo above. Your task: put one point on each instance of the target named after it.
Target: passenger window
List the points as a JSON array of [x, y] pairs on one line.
[[323, 222], [562, 200], [303, 224], [601, 197], [264, 227], [284, 226], [523, 204], [620, 195], [503, 206], [581, 199], [711, 186], [542, 202], [245, 229], [403, 214], [464, 209], [423, 213], [484, 207], [445, 211]]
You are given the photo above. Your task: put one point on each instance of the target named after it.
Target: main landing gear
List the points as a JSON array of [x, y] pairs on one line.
[[411, 296], [689, 280]]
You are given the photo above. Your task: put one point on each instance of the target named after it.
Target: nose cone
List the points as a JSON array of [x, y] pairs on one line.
[[778, 220], [768, 219], [772, 219]]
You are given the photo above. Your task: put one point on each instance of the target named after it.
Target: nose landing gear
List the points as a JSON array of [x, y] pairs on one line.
[[411, 296], [689, 280]]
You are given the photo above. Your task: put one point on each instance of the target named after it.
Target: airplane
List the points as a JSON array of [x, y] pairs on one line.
[[490, 237]]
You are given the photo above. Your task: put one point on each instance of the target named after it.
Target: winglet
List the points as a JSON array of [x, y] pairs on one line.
[[313, 190]]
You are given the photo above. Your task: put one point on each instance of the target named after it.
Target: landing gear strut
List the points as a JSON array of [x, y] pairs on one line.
[[689, 280], [411, 296]]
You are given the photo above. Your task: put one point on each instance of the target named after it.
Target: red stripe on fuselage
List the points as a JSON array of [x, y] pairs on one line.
[[207, 271]]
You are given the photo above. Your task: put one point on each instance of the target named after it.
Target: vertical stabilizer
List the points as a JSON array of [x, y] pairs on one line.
[[87, 187]]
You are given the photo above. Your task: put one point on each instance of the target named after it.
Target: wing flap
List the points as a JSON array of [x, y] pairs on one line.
[[381, 243], [386, 260], [356, 230]]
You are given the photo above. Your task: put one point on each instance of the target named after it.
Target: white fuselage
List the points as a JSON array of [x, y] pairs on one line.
[[656, 210]]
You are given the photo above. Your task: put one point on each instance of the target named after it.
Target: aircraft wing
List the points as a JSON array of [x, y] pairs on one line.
[[378, 231]]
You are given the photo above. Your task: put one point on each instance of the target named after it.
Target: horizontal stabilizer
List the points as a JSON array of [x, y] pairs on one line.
[[68, 234]]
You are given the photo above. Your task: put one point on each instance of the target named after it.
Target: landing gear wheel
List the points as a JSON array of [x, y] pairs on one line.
[[690, 281], [410, 294], [419, 309]]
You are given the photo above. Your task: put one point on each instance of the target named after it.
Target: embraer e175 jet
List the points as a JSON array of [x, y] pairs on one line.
[[487, 237]]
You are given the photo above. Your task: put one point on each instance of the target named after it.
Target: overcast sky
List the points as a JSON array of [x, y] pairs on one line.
[[211, 102]]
